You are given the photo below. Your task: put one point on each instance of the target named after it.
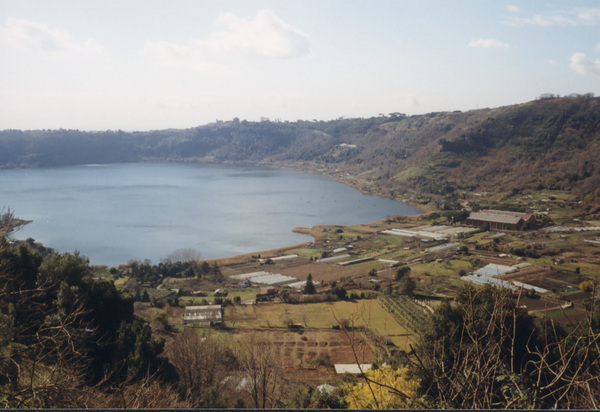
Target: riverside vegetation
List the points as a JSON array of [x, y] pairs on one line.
[[79, 336]]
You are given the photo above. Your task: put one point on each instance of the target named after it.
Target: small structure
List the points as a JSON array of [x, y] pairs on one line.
[[277, 259], [273, 279], [334, 258], [203, 315], [352, 368], [500, 219], [355, 261], [268, 290], [490, 273]]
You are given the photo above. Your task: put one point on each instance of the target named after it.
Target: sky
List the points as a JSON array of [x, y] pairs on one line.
[[150, 64]]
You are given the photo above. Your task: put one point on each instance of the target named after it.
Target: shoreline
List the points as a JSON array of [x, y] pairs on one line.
[[426, 210], [313, 232], [247, 257], [317, 235]]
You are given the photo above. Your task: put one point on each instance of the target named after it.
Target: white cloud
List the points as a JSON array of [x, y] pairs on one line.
[[191, 56], [488, 44], [572, 17], [581, 64], [37, 37], [266, 35], [165, 51], [512, 9]]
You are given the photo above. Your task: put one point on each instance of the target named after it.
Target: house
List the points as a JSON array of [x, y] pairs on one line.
[[500, 219], [203, 315]]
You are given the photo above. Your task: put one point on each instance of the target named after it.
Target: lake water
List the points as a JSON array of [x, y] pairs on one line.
[[115, 213]]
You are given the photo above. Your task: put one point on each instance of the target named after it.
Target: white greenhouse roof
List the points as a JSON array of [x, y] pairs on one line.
[[249, 275], [334, 258], [443, 247], [272, 279], [494, 270]]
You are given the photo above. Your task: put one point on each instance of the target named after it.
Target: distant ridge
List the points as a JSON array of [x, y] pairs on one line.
[[550, 143]]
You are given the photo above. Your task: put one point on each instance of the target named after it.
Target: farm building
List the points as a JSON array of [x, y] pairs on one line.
[[490, 273], [439, 232], [500, 219], [203, 315], [272, 279]]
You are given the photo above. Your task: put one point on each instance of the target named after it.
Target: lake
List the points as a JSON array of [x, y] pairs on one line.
[[118, 212]]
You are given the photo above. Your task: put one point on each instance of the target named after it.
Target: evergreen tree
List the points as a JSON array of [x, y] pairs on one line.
[[309, 288]]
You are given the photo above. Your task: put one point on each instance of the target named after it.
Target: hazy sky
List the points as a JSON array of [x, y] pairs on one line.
[[149, 64]]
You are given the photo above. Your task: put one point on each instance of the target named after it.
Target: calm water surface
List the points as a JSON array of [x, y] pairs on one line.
[[115, 213]]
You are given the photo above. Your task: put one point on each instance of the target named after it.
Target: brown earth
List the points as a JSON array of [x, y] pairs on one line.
[[298, 350], [322, 272]]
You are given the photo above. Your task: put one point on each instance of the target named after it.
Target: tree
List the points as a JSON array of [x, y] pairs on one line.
[[44, 343], [309, 287], [401, 272], [205, 268], [385, 388], [261, 369], [201, 363], [188, 255], [473, 355], [217, 276], [340, 292], [67, 340], [137, 349], [407, 287]]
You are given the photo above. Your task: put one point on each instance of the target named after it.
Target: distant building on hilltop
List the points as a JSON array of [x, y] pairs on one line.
[[500, 219]]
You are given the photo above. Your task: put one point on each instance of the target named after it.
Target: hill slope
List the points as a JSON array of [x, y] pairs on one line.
[[551, 143]]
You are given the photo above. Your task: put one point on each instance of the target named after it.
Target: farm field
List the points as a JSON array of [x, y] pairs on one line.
[[306, 349], [322, 316]]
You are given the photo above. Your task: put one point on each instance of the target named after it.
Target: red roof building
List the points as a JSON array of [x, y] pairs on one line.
[[500, 219]]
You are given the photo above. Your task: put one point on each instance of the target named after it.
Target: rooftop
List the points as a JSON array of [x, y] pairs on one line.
[[493, 217]]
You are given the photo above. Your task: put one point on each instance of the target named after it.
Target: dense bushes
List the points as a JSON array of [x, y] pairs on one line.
[[57, 322]]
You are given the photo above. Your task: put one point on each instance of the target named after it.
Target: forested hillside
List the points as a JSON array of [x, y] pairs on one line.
[[549, 143]]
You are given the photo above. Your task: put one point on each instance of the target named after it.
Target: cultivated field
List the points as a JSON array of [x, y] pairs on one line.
[[366, 313]]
